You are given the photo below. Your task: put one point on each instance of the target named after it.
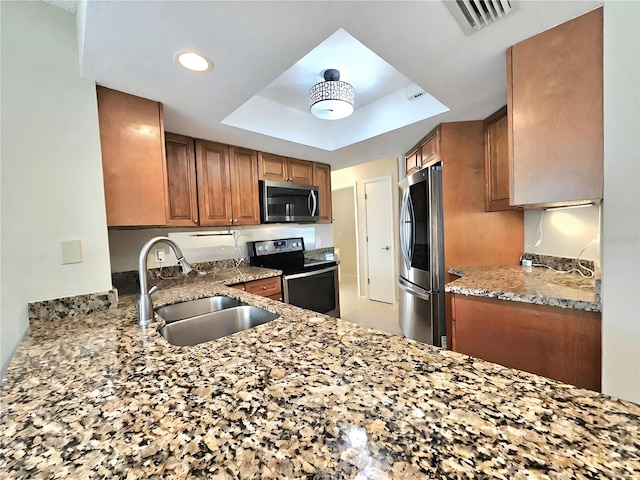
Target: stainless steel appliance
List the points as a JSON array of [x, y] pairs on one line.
[[288, 202], [306, 283], [421, 279]]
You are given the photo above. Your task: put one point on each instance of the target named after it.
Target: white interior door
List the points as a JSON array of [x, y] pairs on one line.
[[379, 218]]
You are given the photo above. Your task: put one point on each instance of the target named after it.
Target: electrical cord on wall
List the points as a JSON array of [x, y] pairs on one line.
[[540, 228], [590, 273], [239, 258]]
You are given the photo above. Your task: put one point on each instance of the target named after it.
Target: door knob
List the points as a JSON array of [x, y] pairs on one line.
[[386, 248]]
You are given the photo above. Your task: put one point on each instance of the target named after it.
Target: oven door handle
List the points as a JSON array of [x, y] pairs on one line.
[[309, 274]]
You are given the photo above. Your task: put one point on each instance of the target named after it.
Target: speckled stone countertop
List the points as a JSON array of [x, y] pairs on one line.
[[304, 396], [538, 285]]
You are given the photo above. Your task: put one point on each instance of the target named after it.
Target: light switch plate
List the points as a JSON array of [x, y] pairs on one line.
[[70, 251]]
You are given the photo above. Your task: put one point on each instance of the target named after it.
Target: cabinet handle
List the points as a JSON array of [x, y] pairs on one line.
[[244, 289], [264, 288], [231, 220], [386, 248], [195, 220]]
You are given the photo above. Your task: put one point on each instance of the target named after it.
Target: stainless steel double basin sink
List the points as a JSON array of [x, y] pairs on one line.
[[206, 319]]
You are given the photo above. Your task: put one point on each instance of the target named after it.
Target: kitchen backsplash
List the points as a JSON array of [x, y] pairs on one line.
[[570, 232], [75, 306], [207, 244], [564, 264], [128, 282]]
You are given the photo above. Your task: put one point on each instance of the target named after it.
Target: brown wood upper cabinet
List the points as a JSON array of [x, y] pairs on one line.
[[133, 158], [182, 197], [227, 181], [283, 169], [554, 97], [322, 178], [496, 162], [430, 148], [426, 152], [412, 162]]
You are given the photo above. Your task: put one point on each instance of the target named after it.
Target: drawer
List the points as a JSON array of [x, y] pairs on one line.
[[277, 296], [265, 287]]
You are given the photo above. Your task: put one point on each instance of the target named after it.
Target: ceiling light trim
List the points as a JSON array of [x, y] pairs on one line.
[[193, 61]]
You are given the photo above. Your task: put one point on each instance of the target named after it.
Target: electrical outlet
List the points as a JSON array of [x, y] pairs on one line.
[[159, 255]]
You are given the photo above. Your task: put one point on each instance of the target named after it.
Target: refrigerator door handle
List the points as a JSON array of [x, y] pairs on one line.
[[403, 235], [412, 215], [413, 290]]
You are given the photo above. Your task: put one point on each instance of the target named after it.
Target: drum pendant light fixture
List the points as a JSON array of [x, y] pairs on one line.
[[331, 99]]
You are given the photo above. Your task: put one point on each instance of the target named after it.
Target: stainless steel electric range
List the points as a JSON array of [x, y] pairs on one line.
[[306, 283]]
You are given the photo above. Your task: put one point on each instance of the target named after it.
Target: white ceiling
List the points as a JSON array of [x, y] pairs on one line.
[[382, 102], [130, 46]]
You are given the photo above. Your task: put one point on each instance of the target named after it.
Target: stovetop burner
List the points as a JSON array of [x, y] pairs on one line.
[[285, 254]]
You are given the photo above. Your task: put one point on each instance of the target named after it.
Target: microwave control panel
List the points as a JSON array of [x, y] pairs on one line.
[[270, 247]]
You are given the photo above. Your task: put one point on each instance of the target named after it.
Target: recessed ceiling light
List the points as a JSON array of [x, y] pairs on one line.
[[193, 61]]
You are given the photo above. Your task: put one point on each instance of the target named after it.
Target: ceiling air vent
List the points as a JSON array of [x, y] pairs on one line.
[[473, 15]]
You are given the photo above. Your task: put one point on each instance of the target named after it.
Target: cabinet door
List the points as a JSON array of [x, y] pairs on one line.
[[496, 158], [214, 183], [300, 171], [559, 343], [244, 186], [412, 162], [133, 159], [182, 197], [322, 178], [272, 167], [555, 114], [430, 149]]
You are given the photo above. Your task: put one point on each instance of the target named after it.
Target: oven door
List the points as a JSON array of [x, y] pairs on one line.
[[315, 290]]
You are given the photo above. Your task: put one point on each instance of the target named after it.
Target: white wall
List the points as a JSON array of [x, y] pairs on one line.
[[344, 229], [357, 175], [621, 208], [51, 167], [565, 232], [125, 244]]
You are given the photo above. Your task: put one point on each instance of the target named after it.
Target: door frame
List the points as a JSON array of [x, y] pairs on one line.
[[354, 186], [394, 272]]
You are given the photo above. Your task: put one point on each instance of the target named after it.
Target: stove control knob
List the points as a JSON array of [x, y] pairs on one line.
[[260, 248], [266, 248], [294, 244]]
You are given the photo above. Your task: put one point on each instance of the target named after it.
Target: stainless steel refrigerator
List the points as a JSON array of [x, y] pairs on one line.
[[421, 279]]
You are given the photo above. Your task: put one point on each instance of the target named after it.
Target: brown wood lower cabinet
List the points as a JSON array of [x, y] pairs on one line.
[[559, 343], [267, 287]]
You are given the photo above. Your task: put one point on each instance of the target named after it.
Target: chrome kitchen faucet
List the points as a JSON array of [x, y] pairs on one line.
[[145, 304]]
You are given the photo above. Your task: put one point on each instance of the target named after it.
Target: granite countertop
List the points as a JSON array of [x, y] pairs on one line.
[[304, 396], [537, 285]]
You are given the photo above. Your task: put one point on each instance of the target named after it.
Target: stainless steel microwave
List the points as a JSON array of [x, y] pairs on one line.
[[283, 202]]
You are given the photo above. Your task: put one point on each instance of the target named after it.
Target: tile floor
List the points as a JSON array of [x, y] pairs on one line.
[[365, 312]]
